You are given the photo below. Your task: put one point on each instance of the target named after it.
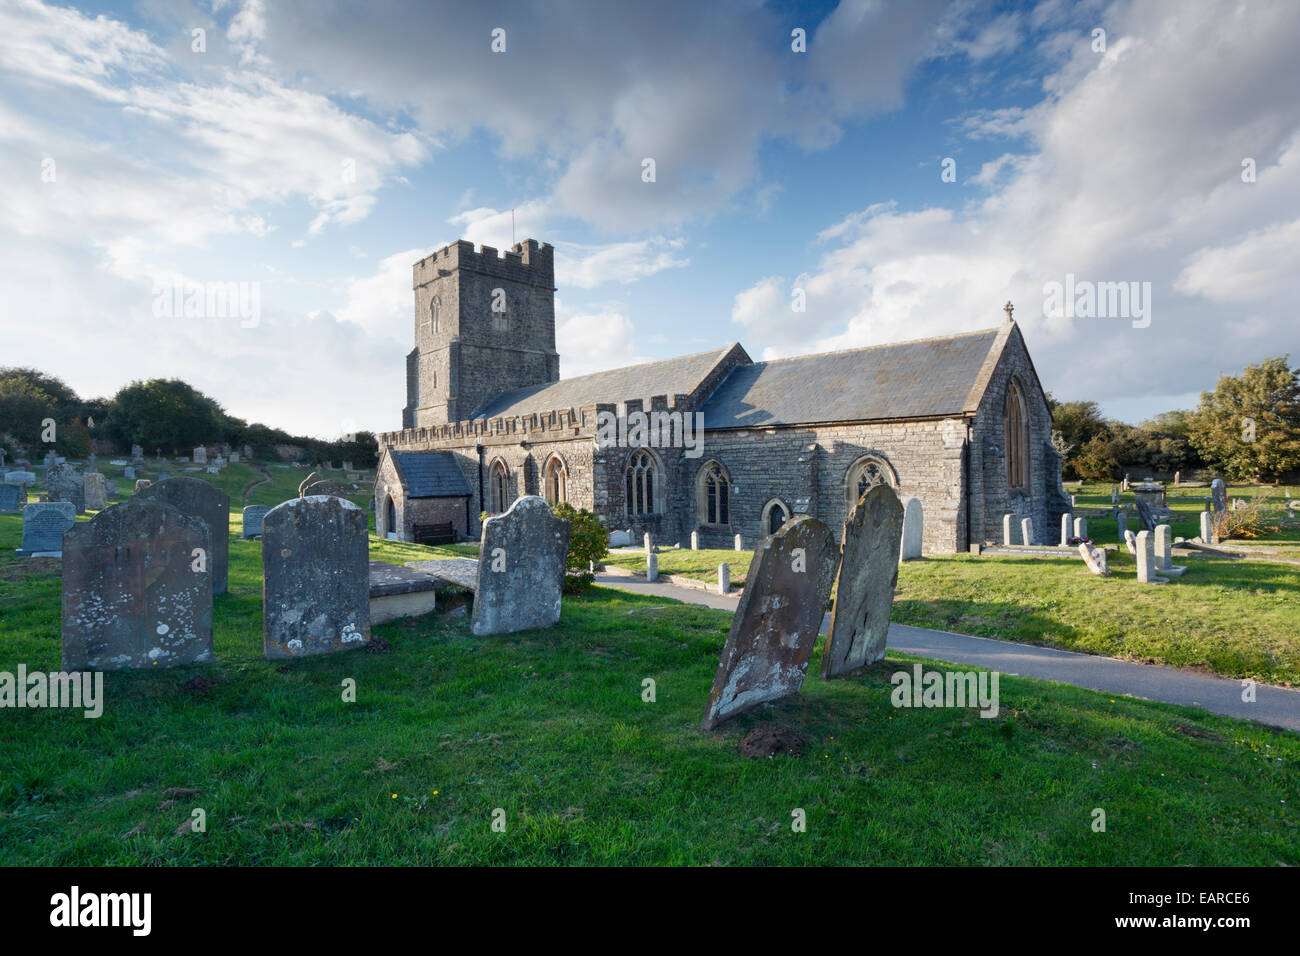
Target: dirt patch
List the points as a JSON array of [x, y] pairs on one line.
[[18, 570], [769, 740], [198, 685], [1196, 732], [378, 645]]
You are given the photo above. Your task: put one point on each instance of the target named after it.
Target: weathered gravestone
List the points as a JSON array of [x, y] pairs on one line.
[[20, 477], [129, 473], [64, 483], [192, 496], [776, 622], [44, 523], [652, 567], [521, 569], [1027, 530], [316, 571], [1066, 528], [141, 483], [1218, 495], [95, 490], [695, 541], [1164, 550], [864, 590], [134, 592], [1094, 558], [253, 517], [1146, 560], [1207, 527], [1010, 529], [1121, 521], [137, 453], [12, 498], [1081, 527], [1130, 541], [200, 456], [913, 527]]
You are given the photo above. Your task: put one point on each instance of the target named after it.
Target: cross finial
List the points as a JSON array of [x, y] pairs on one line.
[[1008, 309]]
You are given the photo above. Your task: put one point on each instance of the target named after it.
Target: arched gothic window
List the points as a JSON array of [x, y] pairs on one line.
[[435, 307], [713, 496], [775, 514], [554, 481], [865, 474], [641, 473], [499, 488], [1017, 439]]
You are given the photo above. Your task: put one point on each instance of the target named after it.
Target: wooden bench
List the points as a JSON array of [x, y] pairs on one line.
[[434, 533]]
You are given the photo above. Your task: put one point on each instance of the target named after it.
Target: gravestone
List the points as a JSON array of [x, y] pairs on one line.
[[913, 527], [1130, 541], [1010, 528], [24, 478], [129, 473], [193, 496], [1218, 495], [132, 597], [316, 573], [1095, 559], [621, 539], [521, 569], [137, 452], [776, 621], [1121, 520], [1066, 528], [1081, 527], [1178, 478], [306, 482], [63, 483], [649, 544], [200, 456], [95, 491], [695, 541], [164, 474], [1146, 560], [13, 498], [248, 451], [1114, 495], [1163, 546], [1027, 530], [724, 578], [253, 517], [1207, 527], [864, 591], [652, 567], [141, 483], [234, 457], [740, 542], [44, 523]]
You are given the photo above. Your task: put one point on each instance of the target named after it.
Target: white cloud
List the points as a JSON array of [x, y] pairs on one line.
[[594, 342]]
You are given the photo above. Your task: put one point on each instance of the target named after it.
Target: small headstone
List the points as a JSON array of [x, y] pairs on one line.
[[1095, 559], [193, 496], [695, 541], [1027, 530], [652, 567], [132, 596], [316, 569], [248, 451], [1124, 484], [620, 539], [200, 456], [140, 484], [740, 542], [234, 457], [913, 528], [44, 523], [724, 578], [864, 591], [1122, 521], [1207, 527], [253, 516], [1178, 478], [1219, 495], [1146, 560], [63, 483], [1010, 527], [211, 470], [137, 452], [1164, 538], [95, 491], [128, 473], [521, 569], [776, 622], [1067, 528], [1130, 541], [649, 544], [13, 498], [1114, 495], [1074, 501], [1081, 527], [163, 474]]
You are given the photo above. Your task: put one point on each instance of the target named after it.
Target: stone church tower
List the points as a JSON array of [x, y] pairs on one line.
[[484, 324]]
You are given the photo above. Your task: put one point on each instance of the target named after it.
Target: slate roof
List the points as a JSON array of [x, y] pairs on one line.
[[430, 474], [674, 376], [925, 378]]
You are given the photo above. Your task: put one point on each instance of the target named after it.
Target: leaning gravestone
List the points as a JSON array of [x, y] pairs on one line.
[[913, 526], [12, 499], [776, 622], [1130, 541], [44, 523], [63, 483], [521, 569], [95, 490], [133, 594], [193, 496], [316, 570], [253, 517], [864, 590], [1219, 495]]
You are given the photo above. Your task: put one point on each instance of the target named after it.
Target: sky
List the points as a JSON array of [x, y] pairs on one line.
[[826, 176]]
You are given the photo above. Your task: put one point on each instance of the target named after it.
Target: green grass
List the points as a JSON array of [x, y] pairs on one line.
[[692, 564], [1187, 505], [550, 727]]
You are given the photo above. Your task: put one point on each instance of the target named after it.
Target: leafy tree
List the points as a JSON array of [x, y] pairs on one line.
[[1249, 426], [588, 542], [64, 399], [163, 413], [23, 408]]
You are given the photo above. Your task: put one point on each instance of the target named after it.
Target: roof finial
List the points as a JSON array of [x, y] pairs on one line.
[[1008, 309]]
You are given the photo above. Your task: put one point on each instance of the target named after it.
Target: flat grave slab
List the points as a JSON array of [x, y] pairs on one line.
[[462, 572]]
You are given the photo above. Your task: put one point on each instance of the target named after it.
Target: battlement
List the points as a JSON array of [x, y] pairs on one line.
[[529, 262]]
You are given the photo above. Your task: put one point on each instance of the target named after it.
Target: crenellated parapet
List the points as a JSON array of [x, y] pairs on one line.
[[529, 262]]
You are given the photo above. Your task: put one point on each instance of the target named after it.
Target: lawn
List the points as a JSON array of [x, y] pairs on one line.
[[550, 727], [692, 564]]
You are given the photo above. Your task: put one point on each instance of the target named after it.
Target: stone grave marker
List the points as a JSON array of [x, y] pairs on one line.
[[868, 574], [913, 527], [695, 541], [316, 577], [1130, 541], [521, 569], [724, 578], [776, 622], [132, 596], [1095, 559], [1218, 495], [193, 496], [1207, 527], [1010, 528], [141, 483], [95, 491], [740, 542], [200, 456], [1081, 527], [1027, 530], [63, 483], [20, 477], [1067, 520], [13, 498], [129, 473], [649, 543], [44, 523], [1146, 560], [1164, 549], [652, 567], [1121, 520], [253, 518]]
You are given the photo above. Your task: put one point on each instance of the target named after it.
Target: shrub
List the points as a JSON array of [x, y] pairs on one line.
[[588, 542], [1248, 522]]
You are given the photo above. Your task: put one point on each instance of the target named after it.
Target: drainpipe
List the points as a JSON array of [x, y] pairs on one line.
[[479, 449]]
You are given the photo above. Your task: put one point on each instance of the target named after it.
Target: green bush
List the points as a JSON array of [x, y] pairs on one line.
[[588, 542]]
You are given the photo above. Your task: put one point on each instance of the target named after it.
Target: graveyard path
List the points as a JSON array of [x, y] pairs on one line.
[[266, 480], [1276, 706]]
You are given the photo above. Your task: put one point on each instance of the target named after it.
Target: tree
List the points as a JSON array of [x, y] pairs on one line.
[[163, 413], [1249, 426], [24, 408], [588, 542]]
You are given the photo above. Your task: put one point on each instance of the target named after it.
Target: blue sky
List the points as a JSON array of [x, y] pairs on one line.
[[131, 160]]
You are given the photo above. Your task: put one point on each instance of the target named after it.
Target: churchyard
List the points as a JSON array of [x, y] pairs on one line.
[[583, 738]]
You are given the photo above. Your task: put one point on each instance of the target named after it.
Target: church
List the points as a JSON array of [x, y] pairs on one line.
[[959, 422]]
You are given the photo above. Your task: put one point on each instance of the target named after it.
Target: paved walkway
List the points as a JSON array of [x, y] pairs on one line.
[[1277, 706]]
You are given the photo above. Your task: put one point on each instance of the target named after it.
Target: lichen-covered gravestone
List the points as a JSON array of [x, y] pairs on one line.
[[864, 591], [64, 483], [521, 569], [913, 526], [1218, 496], [95, 490], [253, 517], [193, 496], [44, 523], [316, 571], [775, 627], [135, 592]]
